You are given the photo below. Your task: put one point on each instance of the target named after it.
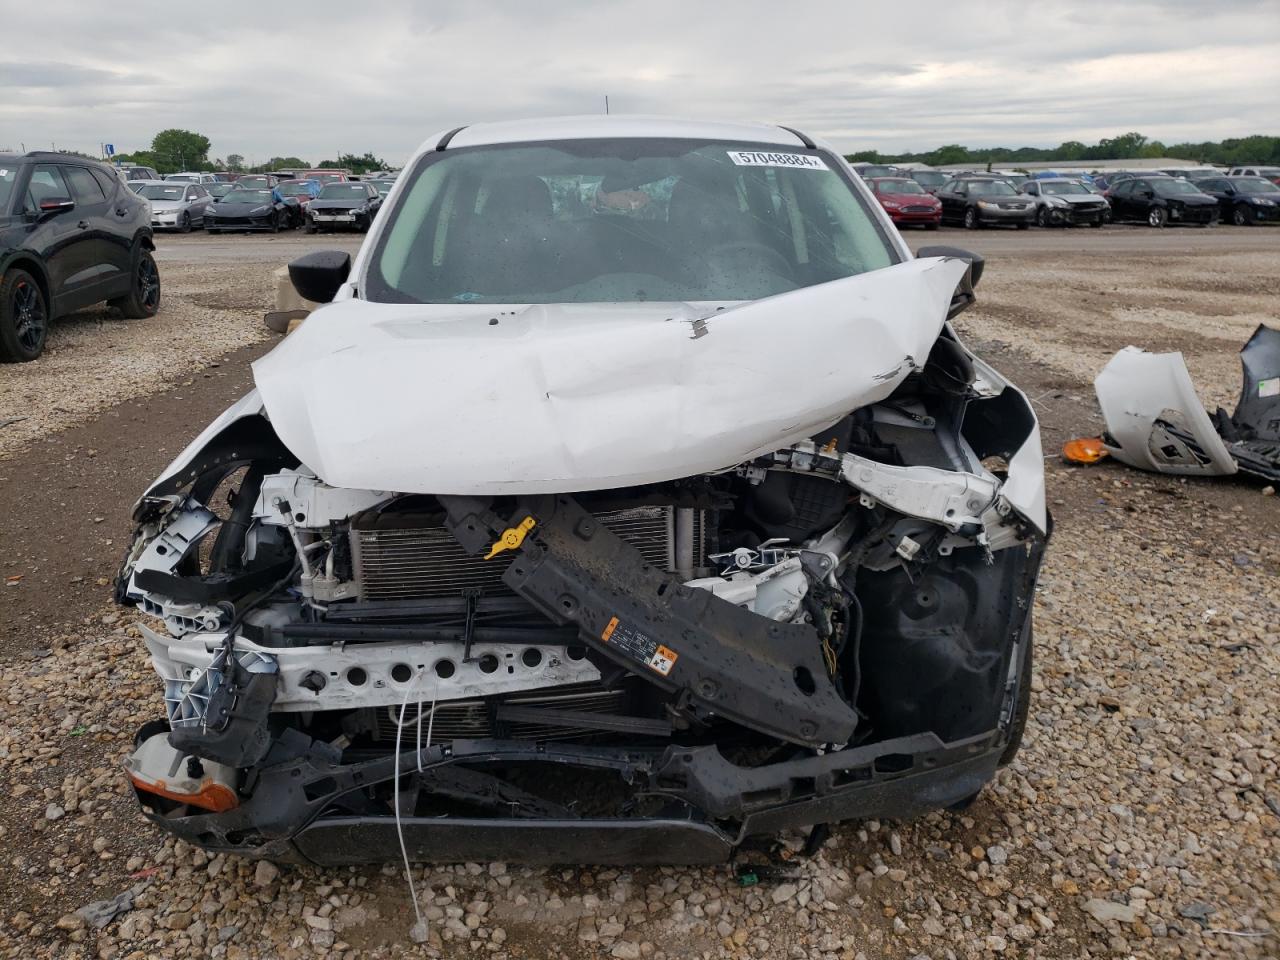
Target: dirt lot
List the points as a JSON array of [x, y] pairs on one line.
[[1141, 818]]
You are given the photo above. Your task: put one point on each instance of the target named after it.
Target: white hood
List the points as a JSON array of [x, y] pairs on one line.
[[559, 398]]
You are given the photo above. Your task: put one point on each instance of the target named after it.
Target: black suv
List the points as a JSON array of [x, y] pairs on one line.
[[71, 234]]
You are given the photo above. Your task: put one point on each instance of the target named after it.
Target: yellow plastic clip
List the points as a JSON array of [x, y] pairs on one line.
[[512, 537]]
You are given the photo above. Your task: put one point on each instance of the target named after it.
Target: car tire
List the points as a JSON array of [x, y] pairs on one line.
[[1096, 223], [275, 223], [1157, 217], [184, 225], [1240, 216], [1042, 217], [971, 221], [24, 317], [1021, 707], [143, 299], [309, 228]]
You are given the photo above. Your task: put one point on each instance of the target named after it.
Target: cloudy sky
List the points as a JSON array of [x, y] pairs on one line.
[[382, 76]]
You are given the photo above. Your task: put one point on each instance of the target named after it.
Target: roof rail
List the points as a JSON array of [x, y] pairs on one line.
[[444, 141], [802, 137]]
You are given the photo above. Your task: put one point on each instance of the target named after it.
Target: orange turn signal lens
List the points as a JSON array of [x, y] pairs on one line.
[[1084, 450]]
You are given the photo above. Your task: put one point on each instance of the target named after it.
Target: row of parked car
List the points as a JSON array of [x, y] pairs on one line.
[[1201, 196], [262, 202]]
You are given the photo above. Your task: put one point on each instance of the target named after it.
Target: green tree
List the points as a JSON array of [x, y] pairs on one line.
[[142, 158], [1071, 150], [282, 163], [177, 150], [235, 162], [951, 153], [349, 161]]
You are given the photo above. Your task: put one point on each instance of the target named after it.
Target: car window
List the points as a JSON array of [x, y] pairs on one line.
[[621, 221], [8, 180], [46, 183], [108, 182], [84, 189]]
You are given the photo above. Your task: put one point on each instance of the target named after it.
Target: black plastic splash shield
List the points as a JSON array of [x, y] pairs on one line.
[[716, 657]]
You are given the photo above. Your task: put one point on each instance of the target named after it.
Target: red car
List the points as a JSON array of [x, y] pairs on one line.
[[907, 202]]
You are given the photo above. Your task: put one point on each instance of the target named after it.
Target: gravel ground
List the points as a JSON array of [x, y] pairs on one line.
[[95, 358], [1141, 818]]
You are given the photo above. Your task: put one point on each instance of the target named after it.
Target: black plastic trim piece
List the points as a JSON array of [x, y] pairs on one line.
[[803, 137], [444, 141]]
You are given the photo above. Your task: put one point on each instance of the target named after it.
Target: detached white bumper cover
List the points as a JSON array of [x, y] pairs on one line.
[[1139, 392]]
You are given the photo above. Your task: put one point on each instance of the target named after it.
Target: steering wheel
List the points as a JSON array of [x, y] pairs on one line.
[[751, 246]]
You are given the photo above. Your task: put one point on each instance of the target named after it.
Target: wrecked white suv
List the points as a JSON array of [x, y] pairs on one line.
[[629, 495]]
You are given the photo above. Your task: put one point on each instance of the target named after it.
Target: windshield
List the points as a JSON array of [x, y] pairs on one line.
[[609, 221], [326, 177], [991, 188], [220, 189], [8, 176], [248, 196], [898, 186], [1250, 185], [1061, 189], [156, 191], [383, 186], [183, 177], [929, 178], [253, 182], [295, 189], [343, 191], [1171, 187]]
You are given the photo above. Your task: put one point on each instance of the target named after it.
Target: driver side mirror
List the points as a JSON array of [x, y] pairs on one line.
[[964, 297], [52, 206], [317, 276]]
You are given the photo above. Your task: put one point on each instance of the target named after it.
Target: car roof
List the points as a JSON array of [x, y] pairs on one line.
[[1058, 180], [606, 126]]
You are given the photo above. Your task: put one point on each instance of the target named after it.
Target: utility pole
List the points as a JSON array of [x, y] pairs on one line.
[[606, 104]]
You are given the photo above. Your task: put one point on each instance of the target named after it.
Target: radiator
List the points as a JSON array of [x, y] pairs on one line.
[[416, 563], [472, 719]]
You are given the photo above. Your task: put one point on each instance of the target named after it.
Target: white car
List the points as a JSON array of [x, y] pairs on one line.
[[176, 205], [192, 177], [1063, 201], [629, 494]]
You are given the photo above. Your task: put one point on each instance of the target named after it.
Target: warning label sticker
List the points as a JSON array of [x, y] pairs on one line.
[[639, 646], [1269, 387], [759, 158]]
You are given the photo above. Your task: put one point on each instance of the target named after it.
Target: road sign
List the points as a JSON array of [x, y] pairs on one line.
[[111, 149]]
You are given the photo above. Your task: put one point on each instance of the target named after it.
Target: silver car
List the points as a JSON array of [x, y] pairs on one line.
[[176, 205], [1062, 201]]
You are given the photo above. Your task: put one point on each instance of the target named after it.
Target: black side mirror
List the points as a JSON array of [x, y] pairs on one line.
[[964, 297], [52, 206], [976, 261], [317, 276]]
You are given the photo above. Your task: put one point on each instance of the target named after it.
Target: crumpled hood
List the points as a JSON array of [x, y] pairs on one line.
[[343, 204], [224, 209], [485, 399], [1079, 198]]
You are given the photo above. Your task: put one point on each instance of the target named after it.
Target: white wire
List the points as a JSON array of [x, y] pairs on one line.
[[395, 786]]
